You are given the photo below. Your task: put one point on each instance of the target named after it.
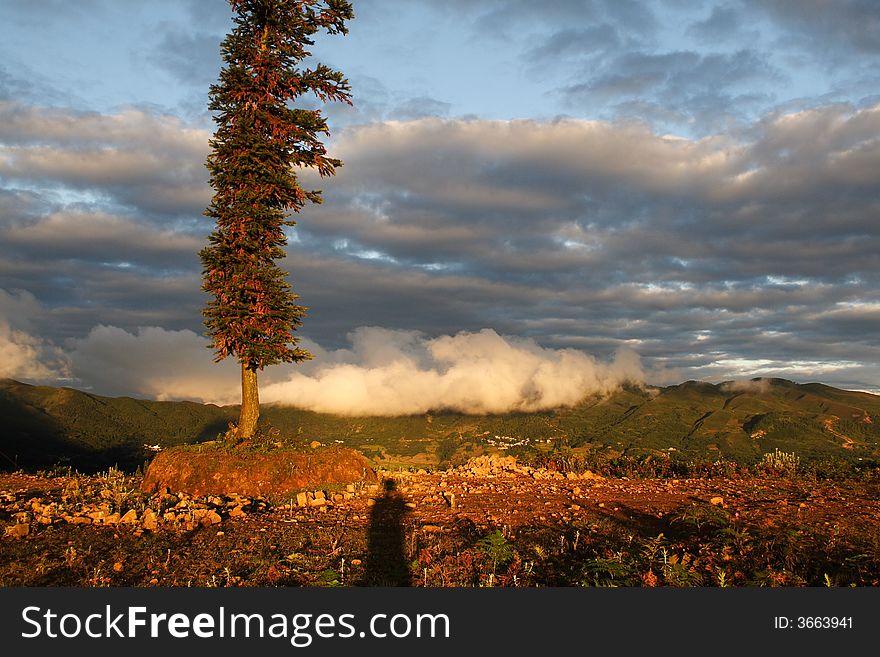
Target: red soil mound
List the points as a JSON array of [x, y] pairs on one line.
[[253, 474]]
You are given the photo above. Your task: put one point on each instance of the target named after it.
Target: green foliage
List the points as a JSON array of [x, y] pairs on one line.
[[446, 449], [838, 469], [859, 429], [609, 572], [328, 578], [46, 426], [681, 574], [261, 138], [497, 548], [702, 518]]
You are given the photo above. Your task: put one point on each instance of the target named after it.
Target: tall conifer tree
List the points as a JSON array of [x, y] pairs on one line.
[[260, 141]]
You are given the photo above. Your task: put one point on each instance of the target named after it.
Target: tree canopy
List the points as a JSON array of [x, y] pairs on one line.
[[261, 139]]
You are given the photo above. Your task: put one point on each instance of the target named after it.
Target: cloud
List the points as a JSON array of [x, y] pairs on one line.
[[587, 234], [102, 238], [499, 197], [141, 160], [151, 362], [724, 23], [504, 16], [419, 108], [383, 372], [573, 43], [400, 373], [843, 24], [25, 356], [704, 91], [13, 86], [191, 57], [758, 386], [18, 308]]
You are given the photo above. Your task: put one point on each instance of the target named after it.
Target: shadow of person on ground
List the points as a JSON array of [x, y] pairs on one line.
[[386, 563]]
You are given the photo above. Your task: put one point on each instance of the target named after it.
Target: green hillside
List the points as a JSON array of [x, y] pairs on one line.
[[693, 420], [46, 426]]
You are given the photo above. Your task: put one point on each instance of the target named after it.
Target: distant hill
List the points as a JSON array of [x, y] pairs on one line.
[[44, 426]]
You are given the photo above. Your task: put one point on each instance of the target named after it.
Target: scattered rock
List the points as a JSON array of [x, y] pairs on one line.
[[130, 518], [18, 531], [149, 521]]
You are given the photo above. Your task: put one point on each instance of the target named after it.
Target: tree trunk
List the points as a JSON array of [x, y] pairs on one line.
[[250, 403]]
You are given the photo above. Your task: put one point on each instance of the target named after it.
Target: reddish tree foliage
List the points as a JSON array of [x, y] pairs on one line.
[[261, 139]]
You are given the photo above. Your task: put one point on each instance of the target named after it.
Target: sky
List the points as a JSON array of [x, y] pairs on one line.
[[538, 200]]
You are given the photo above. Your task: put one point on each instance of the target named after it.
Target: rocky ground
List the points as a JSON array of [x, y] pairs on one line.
[[491, 522]]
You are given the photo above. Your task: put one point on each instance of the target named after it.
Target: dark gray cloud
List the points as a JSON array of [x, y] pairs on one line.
[[134, 159], [13, 87], [211, 15], [39, 13], [707, 92], [420, 108], [617, 233], [747, 248], [826, 26], [504, 15], [726, 22], [706, 256], [658, 64], [573, 43], [191, 57]]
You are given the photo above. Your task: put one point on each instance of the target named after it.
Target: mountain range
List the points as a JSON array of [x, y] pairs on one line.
[[44, 426]]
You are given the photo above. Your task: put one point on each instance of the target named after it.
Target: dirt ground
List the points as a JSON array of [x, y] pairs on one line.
[[468, 527]]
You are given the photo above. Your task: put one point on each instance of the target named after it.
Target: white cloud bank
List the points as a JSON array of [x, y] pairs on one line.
[[152, 362], [385, 372], [399, 372], [22, 356]]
